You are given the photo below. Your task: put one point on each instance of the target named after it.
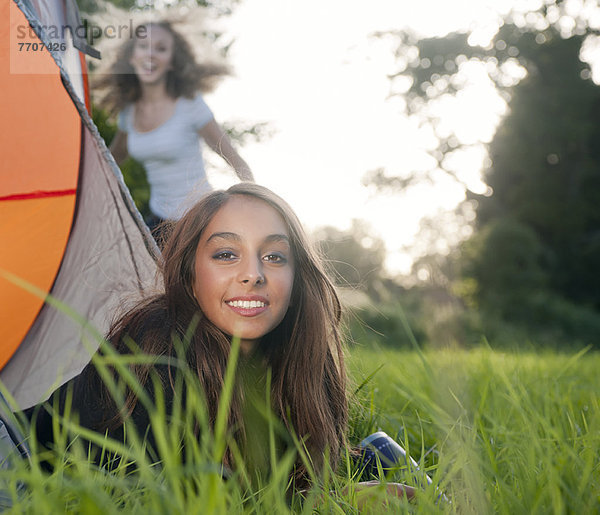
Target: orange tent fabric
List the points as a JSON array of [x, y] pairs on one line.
[[37, 194]]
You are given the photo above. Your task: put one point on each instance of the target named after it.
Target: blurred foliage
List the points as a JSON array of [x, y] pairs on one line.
[[223, 7], [546, 166], [378, 308], [382, 322], [530, 268], [354, 258], [243, 132], [492, 289], [504, 263], [133, 172]]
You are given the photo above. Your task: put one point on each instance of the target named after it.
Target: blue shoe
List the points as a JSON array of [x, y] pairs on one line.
[[380, 447]]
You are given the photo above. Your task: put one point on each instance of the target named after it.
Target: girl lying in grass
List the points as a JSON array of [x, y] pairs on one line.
[[237, 265]]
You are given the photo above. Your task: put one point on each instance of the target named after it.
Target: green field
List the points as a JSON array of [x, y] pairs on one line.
[[498, 432]]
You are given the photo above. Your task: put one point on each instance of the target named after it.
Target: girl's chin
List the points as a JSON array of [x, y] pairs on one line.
[[247, 345], [151, 78]]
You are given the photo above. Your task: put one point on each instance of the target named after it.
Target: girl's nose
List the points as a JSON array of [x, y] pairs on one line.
[[252, 273]]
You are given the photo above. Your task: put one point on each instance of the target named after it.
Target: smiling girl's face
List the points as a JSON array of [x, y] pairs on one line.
[[244, 269], [152, 54]]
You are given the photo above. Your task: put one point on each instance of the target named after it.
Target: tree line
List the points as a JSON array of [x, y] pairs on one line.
[[533, 256]]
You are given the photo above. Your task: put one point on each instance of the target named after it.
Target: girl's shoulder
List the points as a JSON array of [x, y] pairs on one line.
[[124, 118], [196, 109], [196, 99], [194, 103]]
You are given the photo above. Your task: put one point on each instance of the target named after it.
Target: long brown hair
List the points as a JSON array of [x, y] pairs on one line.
[[119, 85], [304, 352]]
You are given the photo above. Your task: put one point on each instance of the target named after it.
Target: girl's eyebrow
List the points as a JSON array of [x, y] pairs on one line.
[[224, 235], [272, 238]]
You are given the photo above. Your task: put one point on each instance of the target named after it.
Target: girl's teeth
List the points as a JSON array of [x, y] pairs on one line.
[[246, 304]]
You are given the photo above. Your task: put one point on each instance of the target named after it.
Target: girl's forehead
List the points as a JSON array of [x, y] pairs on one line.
[[155, 33], [245, 215]]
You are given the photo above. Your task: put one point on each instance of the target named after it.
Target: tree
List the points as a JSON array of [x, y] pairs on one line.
[[504, 261], [546, 169], [544, 164]]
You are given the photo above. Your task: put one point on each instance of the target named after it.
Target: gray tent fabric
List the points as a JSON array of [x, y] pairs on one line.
[[12, 447], [110, 260]]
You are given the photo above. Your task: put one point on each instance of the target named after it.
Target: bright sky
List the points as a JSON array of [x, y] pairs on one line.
[[312, 70]]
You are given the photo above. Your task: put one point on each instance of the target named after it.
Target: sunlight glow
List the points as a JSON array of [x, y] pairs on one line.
[[313, 70]]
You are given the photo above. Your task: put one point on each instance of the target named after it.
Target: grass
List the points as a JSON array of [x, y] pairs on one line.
[[498, 432]]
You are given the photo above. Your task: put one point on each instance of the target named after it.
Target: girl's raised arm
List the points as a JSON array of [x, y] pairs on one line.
[[221, 144]]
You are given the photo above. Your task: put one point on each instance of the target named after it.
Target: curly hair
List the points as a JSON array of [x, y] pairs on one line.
[[119, 85]]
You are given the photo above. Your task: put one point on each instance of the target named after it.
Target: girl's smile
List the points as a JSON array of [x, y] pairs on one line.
[[244, 269], [248, 306]]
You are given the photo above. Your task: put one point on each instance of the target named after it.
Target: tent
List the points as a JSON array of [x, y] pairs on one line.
[[68, 225]]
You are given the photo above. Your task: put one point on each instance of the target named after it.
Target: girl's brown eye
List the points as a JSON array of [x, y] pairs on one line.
[[225, 255], [275, 258]]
